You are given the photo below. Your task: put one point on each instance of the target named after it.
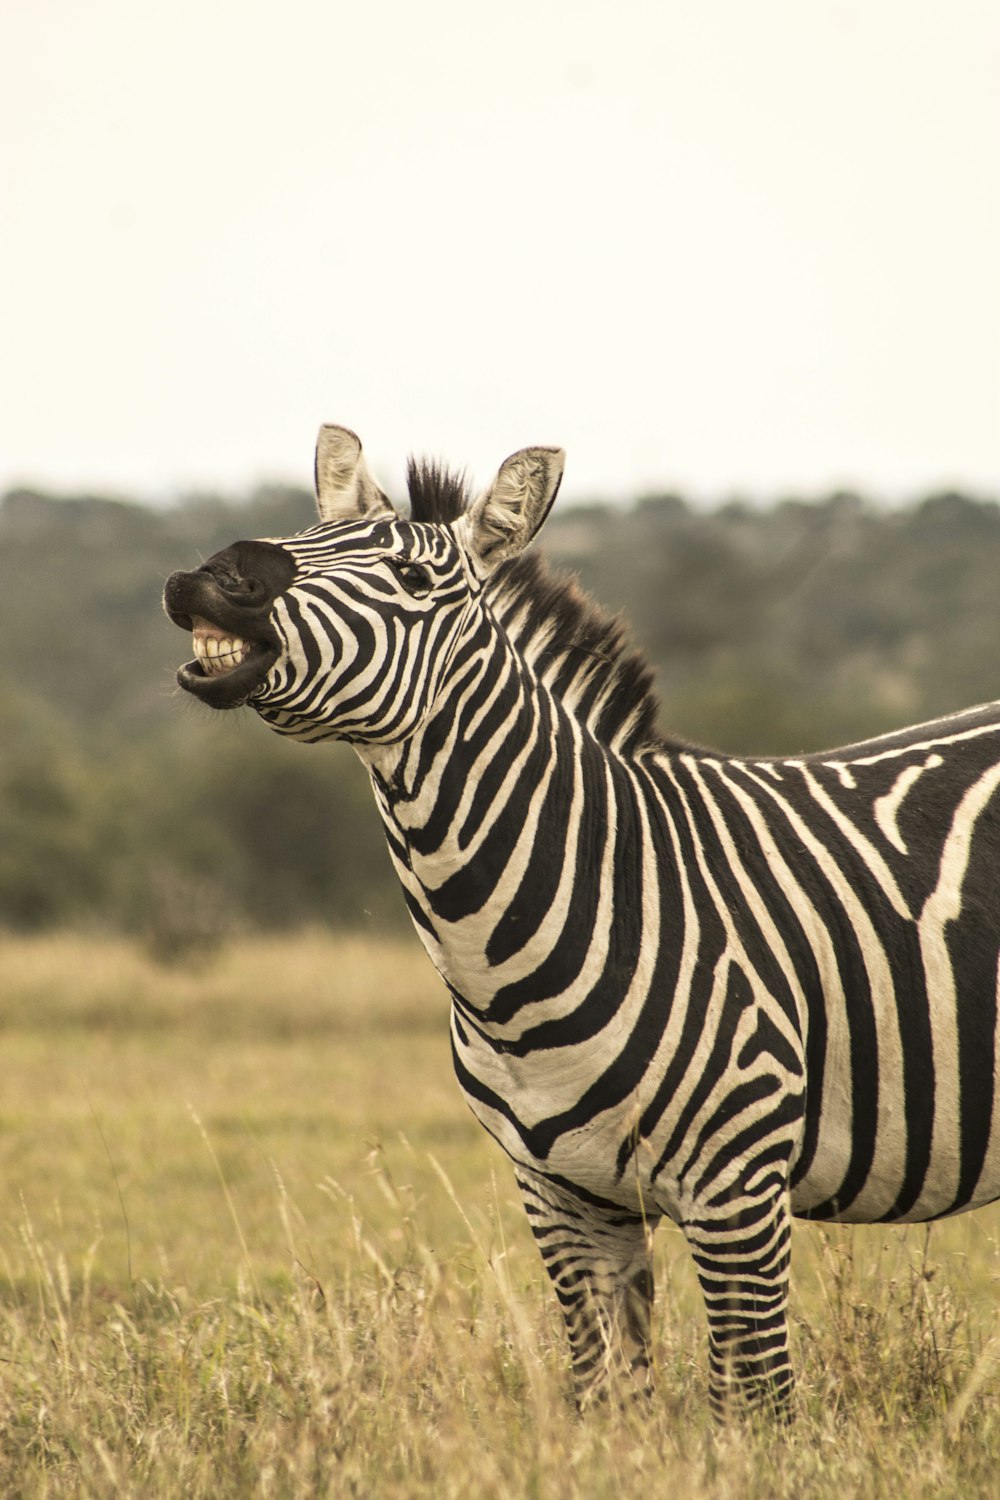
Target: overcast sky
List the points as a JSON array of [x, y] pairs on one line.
[[713, 245]]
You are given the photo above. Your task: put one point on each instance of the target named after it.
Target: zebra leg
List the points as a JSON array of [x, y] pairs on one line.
[[600, 1260], [742, 1259]]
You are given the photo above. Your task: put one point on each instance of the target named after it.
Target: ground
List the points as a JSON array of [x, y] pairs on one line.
[[252, 1242]]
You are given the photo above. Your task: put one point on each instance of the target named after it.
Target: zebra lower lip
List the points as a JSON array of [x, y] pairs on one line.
[[223, 681]]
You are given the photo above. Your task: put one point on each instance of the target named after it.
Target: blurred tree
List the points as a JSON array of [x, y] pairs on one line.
[[773, 630]]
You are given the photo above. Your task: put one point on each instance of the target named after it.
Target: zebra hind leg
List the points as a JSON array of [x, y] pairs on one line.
[[742, 1260], [600, 1262]]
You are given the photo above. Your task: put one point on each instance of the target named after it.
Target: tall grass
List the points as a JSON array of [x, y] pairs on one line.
[[253, 1244]]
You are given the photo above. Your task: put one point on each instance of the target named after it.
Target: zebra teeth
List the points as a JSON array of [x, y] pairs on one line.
[[215, 651]]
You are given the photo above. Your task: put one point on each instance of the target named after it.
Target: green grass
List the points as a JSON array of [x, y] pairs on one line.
[[253, 1243]]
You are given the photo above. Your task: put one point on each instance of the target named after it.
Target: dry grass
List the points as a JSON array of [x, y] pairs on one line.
[[253, 1244]]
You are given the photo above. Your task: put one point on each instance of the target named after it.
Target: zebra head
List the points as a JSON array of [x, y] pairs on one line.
[[345, 630]]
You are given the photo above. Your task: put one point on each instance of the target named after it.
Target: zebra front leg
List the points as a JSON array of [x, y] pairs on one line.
[[600, 1260], [742, 1258]]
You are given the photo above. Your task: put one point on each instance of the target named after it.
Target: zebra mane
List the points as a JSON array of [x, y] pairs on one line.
[[436, 494], [576, 649]]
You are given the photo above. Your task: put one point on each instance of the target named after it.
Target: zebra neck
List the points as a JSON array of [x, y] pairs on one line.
[[504, 820], [446, 794]]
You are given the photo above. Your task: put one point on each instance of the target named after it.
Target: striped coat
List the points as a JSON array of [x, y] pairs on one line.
[[722, 990]]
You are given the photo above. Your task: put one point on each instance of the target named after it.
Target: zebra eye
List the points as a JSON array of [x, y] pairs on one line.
[[414, 577]]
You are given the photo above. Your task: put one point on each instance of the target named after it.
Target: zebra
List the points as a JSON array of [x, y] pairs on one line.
[[684, 984]]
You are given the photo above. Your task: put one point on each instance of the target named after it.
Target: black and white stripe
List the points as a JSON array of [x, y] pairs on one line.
[[723, 990]]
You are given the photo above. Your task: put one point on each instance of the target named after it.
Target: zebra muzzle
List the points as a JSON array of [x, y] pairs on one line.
[[234, 644]]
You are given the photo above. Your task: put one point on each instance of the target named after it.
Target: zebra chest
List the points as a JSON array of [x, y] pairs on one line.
[[540, 1106]]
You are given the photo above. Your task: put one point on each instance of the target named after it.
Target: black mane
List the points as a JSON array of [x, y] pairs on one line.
[[436, 494], [572, 645], [581, 652]]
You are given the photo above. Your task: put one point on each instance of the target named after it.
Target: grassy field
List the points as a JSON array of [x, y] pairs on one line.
[[254, 1244]]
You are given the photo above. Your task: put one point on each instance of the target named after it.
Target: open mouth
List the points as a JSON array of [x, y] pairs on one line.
[[215, 650], [227, 669]]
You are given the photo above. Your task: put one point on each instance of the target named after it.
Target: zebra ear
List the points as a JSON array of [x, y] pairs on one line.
[[502, 522], [345, 490]]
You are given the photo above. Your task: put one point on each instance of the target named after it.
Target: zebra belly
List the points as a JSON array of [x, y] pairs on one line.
[[897, 1154], [812, 1198], [930, 1205]]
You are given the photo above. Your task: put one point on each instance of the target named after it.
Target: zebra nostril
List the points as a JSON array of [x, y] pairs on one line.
[[239, 587], [250, 574], [247, 590]]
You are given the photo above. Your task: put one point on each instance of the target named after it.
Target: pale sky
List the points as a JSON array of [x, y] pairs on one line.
[[710, 245]]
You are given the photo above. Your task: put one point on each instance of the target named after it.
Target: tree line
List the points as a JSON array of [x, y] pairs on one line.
[[125, 806]]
